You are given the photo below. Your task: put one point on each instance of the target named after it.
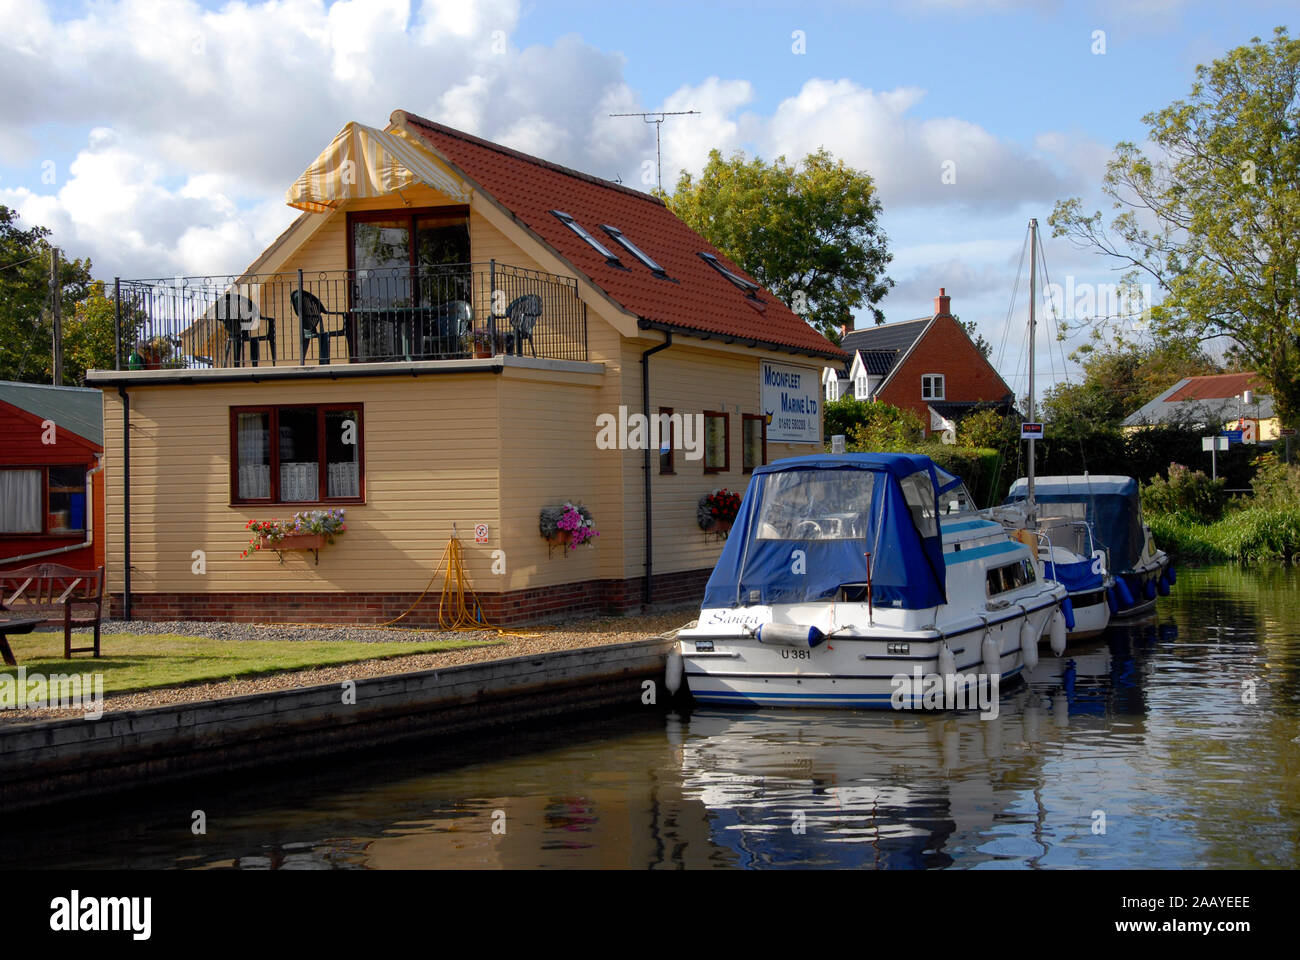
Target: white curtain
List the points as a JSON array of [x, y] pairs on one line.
[[344, 480], [254, 475], [300, 481], [20, 501]]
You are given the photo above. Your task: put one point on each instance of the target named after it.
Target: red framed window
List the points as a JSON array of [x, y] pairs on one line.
[[297, 454], [717, 442], [43, 501], [408, 257], [753, 441]]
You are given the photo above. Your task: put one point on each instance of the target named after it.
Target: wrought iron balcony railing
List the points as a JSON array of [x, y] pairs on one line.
[[348, 316]]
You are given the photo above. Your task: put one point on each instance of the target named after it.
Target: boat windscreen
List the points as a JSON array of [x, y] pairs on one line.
[[918, 491], [956, 500], [816, 505]]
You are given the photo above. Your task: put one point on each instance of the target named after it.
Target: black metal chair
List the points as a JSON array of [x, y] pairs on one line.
[[309, 312], [523, 313], [240, 318], [449, 331]]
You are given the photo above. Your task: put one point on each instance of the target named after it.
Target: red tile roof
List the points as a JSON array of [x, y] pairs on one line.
[[695, 298], [1219, 386]]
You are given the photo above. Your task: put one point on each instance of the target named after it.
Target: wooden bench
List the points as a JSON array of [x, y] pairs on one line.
[[48, 586]]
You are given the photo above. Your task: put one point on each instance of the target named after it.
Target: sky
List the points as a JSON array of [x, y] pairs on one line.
[[157, 137]]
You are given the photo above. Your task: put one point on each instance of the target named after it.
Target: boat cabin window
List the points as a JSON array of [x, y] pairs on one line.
[[1010, 576], [918, 491], [956, 500], [816, 505]]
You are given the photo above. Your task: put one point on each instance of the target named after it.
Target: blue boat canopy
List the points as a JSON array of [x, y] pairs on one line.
[[1111, 505], [806, 524]]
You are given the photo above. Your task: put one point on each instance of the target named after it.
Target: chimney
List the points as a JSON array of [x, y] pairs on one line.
[[846, 327], [942, 304]]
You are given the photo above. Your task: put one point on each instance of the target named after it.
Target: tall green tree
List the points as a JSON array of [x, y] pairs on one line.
[[810, 234], [1213, 214], [26, 324]]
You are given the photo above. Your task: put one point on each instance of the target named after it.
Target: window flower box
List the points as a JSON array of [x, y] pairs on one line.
[[305, 532], [302, 541]]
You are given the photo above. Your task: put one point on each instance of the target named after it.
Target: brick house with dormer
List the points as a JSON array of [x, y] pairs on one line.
[[928, 365]]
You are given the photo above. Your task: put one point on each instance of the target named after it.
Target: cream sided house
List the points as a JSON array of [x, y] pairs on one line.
[[452, 337]]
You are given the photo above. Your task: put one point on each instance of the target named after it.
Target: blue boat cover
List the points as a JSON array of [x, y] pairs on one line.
[[806, 523], [1074, 577], [1113, 508]]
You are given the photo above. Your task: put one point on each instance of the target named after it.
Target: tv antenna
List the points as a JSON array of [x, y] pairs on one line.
[[662, 115]]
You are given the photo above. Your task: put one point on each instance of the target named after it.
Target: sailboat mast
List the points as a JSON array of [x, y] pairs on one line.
[[1033, 338]]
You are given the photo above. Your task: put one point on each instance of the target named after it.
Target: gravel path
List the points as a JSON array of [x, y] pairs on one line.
[[546, 638]]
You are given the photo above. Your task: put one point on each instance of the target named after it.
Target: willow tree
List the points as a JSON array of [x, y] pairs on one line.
[[1211, 214], [810, 234]]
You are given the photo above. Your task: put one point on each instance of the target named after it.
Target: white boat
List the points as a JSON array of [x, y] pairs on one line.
[[843, 584]]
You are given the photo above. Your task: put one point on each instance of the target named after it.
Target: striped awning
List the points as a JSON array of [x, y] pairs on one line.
[[364, 162]]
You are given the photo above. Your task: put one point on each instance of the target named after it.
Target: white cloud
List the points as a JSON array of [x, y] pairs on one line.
[[117, 206], [907, 156], [687, 140]]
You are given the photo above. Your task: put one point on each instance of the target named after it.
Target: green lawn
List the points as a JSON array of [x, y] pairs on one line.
[[131, 661]]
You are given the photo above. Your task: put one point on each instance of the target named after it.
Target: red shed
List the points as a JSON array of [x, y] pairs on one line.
[[51, 476]]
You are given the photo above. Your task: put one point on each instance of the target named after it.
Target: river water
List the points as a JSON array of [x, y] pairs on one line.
[[1173, 742]]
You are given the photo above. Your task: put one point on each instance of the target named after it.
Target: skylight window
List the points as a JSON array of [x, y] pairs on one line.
[[578, 228], [633, 249], [751, 289]]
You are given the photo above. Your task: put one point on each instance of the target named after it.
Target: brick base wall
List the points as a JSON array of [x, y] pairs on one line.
[[516, 608]]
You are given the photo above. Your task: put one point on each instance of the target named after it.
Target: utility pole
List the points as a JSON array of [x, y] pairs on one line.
[[56, 311], [662, 115]]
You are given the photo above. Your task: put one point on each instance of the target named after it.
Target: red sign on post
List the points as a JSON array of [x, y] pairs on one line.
[[1031, 431]]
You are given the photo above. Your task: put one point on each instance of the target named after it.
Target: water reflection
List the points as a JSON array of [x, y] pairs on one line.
[[1139, 749]]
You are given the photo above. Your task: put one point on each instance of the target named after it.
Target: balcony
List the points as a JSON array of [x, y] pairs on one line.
[[447, 312]]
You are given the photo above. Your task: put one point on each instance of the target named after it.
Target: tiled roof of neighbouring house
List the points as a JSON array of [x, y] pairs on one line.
[[1203, 400], [79, 410], [886, 336], [693, 297]]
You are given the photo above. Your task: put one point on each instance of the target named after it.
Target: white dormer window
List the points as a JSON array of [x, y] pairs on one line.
[[861, 388], [831, 390], [932, 386]]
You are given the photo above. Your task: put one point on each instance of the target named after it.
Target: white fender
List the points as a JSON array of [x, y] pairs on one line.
[[947, 662], [673, 675], [992, 658], [1029, 644], [1058, 633]]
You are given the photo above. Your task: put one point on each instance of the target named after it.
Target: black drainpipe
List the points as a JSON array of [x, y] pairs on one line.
[[126, 503], [645, 408]]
